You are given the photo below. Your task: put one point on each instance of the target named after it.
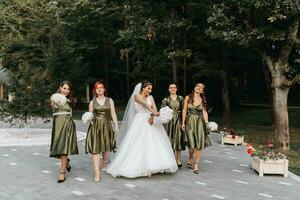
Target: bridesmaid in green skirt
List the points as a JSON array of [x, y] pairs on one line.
[[63, 138], [101, 134], [195, 119], [173, 128]]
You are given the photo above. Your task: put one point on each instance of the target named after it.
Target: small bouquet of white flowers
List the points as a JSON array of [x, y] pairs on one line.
[[87, 117], [58, 99], [165, 115], [212, 126]]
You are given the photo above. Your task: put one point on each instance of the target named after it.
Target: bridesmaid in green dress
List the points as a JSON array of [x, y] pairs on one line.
[[101, 134], [195, 119], [63, 138], [173, 128]]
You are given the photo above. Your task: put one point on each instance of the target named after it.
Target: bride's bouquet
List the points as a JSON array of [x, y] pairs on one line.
[[58, 99], [165, 115], [87, 117]]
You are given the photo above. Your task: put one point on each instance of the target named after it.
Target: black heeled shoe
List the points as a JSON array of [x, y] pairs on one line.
[[62, 180], [68, 166], [179, 165]]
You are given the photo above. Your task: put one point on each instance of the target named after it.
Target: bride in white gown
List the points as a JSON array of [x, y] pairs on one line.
[[145, 148]]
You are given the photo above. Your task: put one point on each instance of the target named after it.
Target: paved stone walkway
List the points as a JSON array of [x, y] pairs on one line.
[[28, 173]]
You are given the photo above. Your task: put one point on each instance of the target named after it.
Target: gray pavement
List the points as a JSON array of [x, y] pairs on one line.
[[28, 173]]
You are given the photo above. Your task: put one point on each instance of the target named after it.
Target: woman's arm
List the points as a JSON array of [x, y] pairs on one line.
[[113, 114], [205, 115], [91, 108], [139, 100], [184, 111], [153, 105]]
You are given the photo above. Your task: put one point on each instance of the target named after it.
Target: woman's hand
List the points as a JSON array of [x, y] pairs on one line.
[[54, 105], [183, 127], [207, 126], [155, 113], [150, 120], [117, 129]]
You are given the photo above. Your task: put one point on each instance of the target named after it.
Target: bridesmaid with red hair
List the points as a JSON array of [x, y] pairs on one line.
[[100, 136]]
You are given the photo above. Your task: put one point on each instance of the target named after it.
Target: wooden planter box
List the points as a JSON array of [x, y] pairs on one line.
[[270, 166], [227, 139]]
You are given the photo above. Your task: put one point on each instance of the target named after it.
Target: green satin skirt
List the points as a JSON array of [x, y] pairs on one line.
[[175, 134], [196, 133], [63, 139], [100, 136]]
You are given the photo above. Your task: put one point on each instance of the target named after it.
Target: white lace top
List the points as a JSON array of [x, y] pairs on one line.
[[140, 108]]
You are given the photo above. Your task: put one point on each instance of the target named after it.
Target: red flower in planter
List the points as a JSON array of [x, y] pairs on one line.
[[250, 151], [270, 144]]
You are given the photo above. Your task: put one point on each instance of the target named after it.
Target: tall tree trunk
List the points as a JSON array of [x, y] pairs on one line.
[[1, 92], [184, 74], [87, 92], [225, 91], [226, 99], [280, 107], [154, 76], [268, 81], [127, 77], [138, 57], [126, 7], [280, 91], [184, 47], [108, 53], [174, 68], [184, 65], [281, 117], [106, 67]]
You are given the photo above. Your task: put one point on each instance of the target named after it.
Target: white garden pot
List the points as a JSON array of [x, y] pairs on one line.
[[227, 139], [279, 166]]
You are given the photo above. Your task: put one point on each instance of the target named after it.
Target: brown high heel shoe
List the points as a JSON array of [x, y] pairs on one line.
[[196, 169], [104, 165], [97, 177], [189, 165]]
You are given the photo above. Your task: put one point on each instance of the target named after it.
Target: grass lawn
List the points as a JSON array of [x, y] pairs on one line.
[[256, 126]]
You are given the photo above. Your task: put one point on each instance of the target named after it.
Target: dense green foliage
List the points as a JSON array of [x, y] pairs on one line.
[[122, 42]]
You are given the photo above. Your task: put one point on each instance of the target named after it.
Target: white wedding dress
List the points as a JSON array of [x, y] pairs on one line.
[[145, 149]]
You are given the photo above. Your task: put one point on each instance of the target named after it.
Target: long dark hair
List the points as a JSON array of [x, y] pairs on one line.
[[70, 95], [145, 83], [191, 97]]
